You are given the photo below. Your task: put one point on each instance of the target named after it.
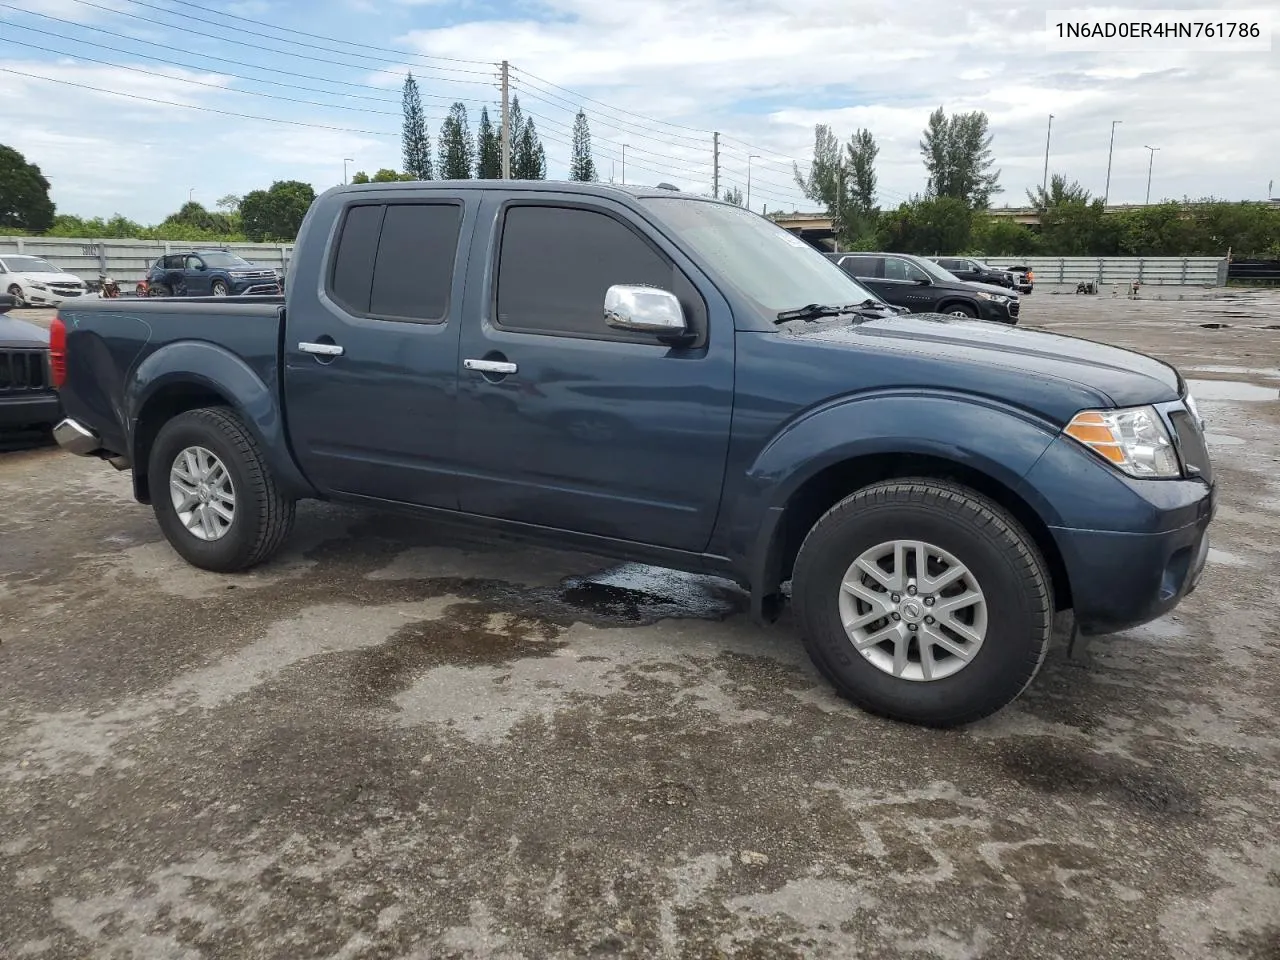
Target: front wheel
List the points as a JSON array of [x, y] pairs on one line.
[[923, 601], [19, 300], [219, 288], [213, 493], [960, 310]]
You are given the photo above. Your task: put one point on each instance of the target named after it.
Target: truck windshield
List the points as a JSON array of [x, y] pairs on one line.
[[776, 269]]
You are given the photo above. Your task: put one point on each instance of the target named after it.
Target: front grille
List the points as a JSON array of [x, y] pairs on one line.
[[24, 371], [1191, 444], [1013, 308]]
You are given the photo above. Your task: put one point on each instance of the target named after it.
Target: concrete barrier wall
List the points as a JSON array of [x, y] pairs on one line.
[[1178, 271], [126, 261]]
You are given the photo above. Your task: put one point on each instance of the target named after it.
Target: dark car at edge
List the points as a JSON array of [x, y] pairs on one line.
[[922, 286], [27, 395], [670, 380]]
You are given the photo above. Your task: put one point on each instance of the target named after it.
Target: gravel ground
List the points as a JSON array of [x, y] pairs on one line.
[[399, 744]]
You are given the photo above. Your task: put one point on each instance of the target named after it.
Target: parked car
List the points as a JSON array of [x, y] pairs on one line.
[[672, 380], [209, 273], [924, 287], [975, 271], [1024, 278], [35, 282], [27, 396]]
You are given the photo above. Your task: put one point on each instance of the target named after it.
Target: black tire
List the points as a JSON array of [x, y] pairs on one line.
[[980, 534], [960, 310], [159, 290], [15, 291], [263, 515], [219, 288]]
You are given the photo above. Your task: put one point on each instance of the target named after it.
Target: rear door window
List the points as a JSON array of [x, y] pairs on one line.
[[396, 261], [865, 267]]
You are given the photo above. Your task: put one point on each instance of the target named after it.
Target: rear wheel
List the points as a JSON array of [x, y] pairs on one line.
[[158, 290], [213, 493], [923, 601]]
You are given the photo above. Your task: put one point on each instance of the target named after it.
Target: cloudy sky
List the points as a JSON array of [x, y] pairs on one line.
[[213, 100]]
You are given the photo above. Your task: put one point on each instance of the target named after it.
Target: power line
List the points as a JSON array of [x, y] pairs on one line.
[[317, 36], [285, 53], [533, 93], [184, 66], [191, 106], [678, 126], [210, 56]]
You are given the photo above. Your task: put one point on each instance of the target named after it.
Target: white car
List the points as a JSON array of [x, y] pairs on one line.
[[36, 282]]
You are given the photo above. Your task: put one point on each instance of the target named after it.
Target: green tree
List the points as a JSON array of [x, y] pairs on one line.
[[582, 167], [928, 226], [488, 149], [414, 140], [24, 194], [823, 183], [1000, 236], [192, 214], [958, 159], [455, 147], [1077, 229], [860, 187], [359, 177], [1060, 191], [228, 203], [843, 180], [276, 213], [528, 159], [733, 195], [387, 175]]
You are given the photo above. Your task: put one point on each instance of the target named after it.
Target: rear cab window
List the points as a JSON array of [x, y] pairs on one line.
[[556, 262], [395, 260]]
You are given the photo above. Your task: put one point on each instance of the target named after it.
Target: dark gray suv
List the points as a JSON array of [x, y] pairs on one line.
[[922, 286]]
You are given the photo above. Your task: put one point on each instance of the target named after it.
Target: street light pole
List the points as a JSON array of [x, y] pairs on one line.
[[1150, 161], [1044, 185], [1106, 194], [624, 164], [750, 157], [191, 194], [345, 161]]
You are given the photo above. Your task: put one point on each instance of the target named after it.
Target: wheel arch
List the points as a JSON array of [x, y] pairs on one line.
[[192, 374], [828, 486]]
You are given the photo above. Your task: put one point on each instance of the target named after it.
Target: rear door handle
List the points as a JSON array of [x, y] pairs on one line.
[[490, 366], [321, 349]]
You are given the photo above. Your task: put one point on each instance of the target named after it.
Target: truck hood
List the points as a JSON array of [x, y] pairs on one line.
[[1125, 377], [19, 333]]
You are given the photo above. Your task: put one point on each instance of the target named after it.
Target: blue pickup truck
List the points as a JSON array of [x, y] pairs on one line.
[[666, 379]]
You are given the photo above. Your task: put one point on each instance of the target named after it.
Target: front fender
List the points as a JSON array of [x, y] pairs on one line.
[[198, 363], [999, 441]]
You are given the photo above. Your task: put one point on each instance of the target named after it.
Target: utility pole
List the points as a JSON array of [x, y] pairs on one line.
[[345, 161], [1150, 162], [1044, 185], [715, 164], [624, 164], [506, 123], [750, 157], [1106, 194]]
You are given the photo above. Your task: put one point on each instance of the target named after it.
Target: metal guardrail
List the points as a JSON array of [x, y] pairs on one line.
[[1255, 270], [127, 261], [1176, 271]]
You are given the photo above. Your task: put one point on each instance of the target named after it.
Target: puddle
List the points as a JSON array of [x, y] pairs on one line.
[[1231, 390], [1225, 558], [1222, 440], [1240, 371], [637, 593]]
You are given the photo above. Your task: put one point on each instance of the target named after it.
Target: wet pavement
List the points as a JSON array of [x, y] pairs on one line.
[[396, 742]]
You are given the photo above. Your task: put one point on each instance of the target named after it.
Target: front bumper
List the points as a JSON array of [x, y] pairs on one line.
[[999, 312], [29, 410], [50, 298]]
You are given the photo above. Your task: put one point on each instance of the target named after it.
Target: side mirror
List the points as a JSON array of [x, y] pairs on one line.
[[644, 309]]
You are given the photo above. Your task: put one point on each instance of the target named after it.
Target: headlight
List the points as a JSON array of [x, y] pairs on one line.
[[994, 297], [1134, 439], [38, 286]]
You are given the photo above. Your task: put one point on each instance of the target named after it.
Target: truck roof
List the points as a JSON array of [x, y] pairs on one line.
[[560, 186]]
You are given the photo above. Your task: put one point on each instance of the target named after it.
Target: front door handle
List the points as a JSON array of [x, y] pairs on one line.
[[490, 366], [321, 349]]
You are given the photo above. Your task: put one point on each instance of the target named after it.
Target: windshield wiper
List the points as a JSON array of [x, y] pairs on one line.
[[817, 311]]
